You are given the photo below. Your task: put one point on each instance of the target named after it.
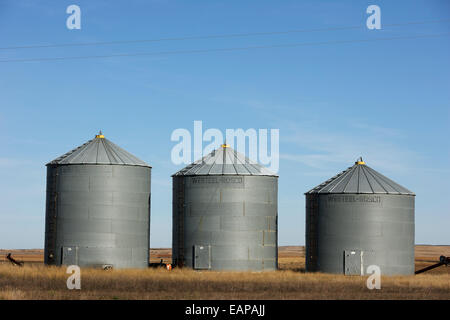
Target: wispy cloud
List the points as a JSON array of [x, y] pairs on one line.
[[12, 162], [322, 148], [379, 130]]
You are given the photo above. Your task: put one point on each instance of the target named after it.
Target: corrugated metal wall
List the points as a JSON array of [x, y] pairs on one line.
[[101, 211], [235, 215], [381, 226]]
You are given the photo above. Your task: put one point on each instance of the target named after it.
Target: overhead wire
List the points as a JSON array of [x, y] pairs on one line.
[[226, 49], [217, 36]]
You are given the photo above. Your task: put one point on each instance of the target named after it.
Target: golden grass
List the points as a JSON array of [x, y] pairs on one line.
[[36, 281], [42, 282]]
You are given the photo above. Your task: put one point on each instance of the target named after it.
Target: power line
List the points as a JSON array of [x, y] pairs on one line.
[[233, 35], [227, 49]]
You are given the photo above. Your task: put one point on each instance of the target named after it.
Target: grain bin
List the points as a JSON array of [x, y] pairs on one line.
[[98, 207], [225, 214], [360, 218]]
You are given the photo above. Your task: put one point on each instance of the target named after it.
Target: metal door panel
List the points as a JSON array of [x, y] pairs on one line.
[[353, 262], [69, 256], [202, 257]]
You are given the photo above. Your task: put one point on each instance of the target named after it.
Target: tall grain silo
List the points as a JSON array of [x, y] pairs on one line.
[[98, 207], [225, 214], [360, 218]]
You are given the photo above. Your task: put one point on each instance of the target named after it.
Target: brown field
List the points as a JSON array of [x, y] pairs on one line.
[[36, 281]]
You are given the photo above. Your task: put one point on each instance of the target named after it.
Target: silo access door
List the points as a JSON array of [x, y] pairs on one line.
[[353, 263], [69, 256], [202, 257]]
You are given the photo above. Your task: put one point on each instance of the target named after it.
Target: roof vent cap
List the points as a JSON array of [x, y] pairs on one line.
[[360, 161]]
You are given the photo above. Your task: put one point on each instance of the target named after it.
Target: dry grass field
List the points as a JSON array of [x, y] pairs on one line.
[[36, 281]]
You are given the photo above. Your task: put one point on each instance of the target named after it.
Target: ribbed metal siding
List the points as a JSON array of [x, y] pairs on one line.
[[235, 215], [382, 226], [311, 234], [50, 215], [104, 210], [178, 205]]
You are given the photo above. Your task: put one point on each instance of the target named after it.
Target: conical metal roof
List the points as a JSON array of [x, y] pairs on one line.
[[99, 151], [360, 179], [225, 161]]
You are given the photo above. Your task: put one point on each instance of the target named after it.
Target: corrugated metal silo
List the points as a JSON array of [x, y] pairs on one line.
[[98, 207], [225, 214], [360, 218]]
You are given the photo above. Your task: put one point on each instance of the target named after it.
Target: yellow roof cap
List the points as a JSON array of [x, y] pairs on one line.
[[360, 161]]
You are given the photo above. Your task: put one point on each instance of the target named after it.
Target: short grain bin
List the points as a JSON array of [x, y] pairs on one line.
[[225, 214], [98, 207], [360, 218]]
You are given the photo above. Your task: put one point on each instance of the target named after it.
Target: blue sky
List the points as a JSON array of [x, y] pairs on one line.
[[387, 101]]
